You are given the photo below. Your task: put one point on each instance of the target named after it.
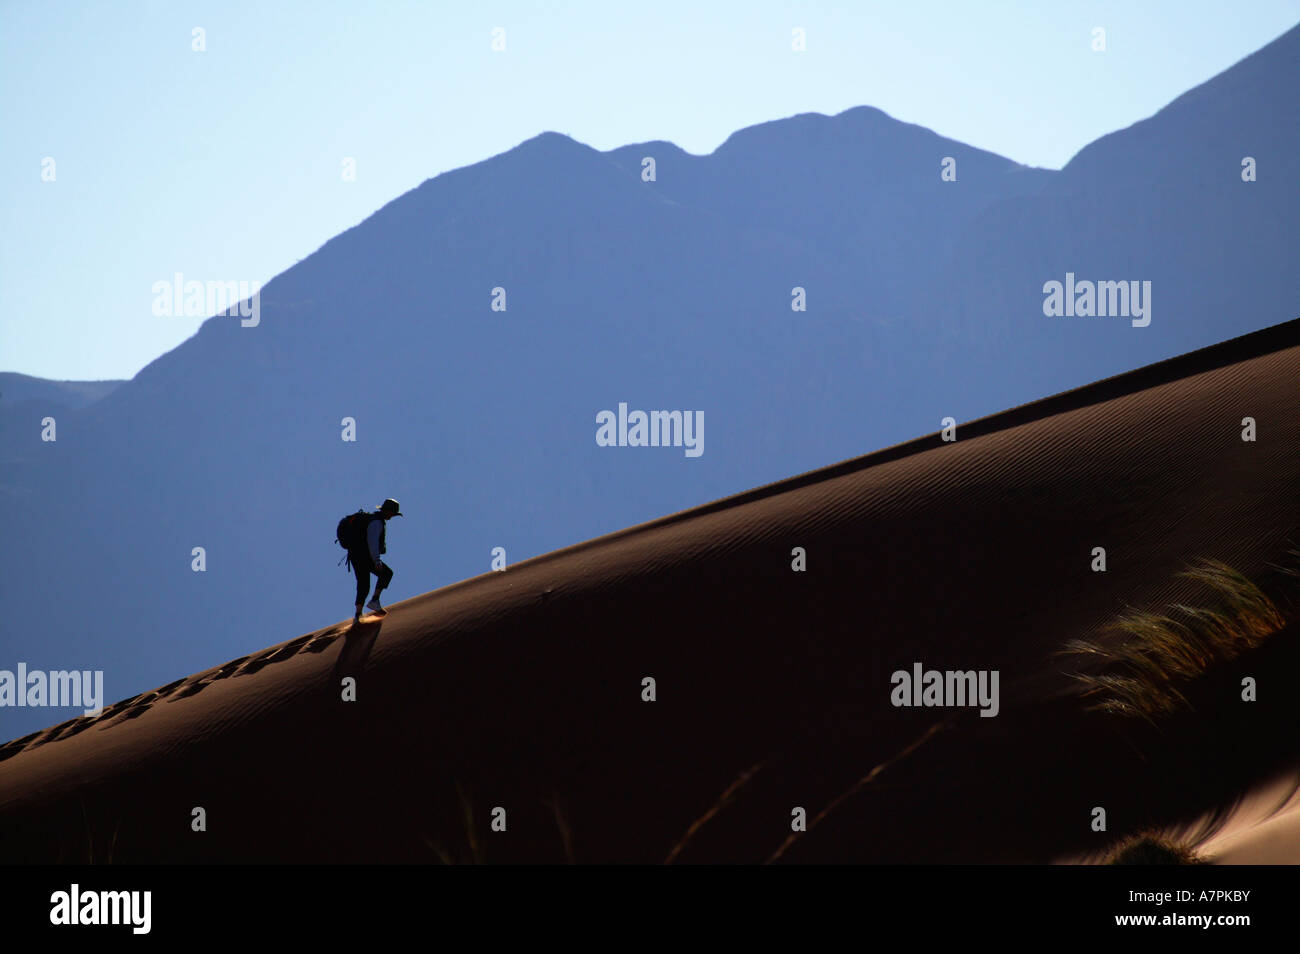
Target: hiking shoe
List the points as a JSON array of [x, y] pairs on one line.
[[375, 608]]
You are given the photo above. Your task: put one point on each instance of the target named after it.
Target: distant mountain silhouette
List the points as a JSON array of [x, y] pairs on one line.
[[17, 388], [924, 300], [1162, 200]]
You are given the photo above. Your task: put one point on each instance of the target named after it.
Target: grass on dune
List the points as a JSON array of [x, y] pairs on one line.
[[1147, 658], [1153, 849]]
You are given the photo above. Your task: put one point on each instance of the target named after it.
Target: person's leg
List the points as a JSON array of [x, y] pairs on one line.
[[385, 574], [362, 570]]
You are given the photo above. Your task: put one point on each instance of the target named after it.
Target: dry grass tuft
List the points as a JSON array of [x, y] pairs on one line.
[[1147, 658], [1152, 849]]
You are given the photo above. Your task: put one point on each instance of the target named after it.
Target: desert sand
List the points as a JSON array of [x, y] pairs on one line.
[[523, 690]]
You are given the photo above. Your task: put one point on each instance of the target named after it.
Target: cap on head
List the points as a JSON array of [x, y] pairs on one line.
[[390, 508]]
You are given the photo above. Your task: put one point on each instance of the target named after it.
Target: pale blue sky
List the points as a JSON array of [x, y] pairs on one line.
[[225, 164]]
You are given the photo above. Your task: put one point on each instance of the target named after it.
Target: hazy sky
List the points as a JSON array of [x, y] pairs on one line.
[[226, 164]]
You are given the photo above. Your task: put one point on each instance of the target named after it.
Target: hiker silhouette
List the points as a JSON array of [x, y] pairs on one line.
[[363, 536]]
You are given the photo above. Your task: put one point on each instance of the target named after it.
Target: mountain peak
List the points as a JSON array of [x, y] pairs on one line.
[[555, 143], [1240, 111]]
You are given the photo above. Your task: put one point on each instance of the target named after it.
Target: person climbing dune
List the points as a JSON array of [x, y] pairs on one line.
[[363, 535]]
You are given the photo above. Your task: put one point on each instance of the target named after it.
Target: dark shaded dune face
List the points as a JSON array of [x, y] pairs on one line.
[[522, 690]]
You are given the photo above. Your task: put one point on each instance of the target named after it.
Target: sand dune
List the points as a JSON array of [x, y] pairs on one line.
[[1265, 830], [522, 690]]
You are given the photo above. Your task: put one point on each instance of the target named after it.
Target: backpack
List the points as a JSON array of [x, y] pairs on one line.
[[350, 533]]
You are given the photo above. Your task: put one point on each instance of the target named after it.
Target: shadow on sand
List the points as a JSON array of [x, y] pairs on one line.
[[357, 643]]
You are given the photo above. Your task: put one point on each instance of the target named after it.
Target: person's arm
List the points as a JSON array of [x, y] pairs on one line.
[[372, 539]]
